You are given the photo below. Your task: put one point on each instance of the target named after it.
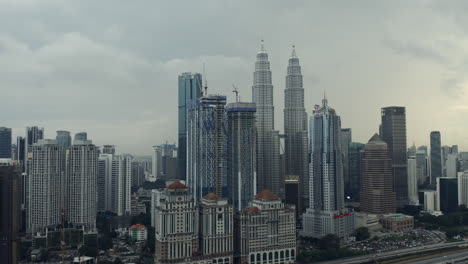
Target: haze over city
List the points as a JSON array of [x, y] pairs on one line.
[[110, 68]]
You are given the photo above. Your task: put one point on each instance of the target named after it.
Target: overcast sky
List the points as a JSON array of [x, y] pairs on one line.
[[110, 67]]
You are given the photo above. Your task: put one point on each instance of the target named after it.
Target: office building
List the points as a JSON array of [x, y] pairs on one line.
[[268, 153], [206, 147], [412, 181], [462, 188], [10, 211], [295, 124], [20, 148], [377, 195], [447, 194], [293, 192], [164, 162], [190, 90], [33, 135], [346, 139], [436, 156], [429, 200], [81, 136], [422, 167], [104, 182], [266, 231], [326, 213], [241, 153], [5, 143], [451, 166], [355, 156], [45, 183], [394, 134], [82, 168]]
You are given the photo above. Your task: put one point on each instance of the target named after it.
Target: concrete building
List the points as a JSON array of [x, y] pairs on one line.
[[451, 166], [241, 153], [436, 156], [268, 142], [430, 200], [266, 232], [164, 161], [5, 143], [121, 184], [190, 90], [104, 182], [108, 149], [10, 211], [326, 213], [463, 188], [377, 195], [138, 232], [394, 134], [397, 222], [206, 147], [82, 169], [295, 125], [412, 181], [45, 183], [33, 135]]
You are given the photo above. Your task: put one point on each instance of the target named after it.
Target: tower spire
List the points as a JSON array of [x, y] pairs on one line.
[[293, 54], [262, 46], [324, 100]]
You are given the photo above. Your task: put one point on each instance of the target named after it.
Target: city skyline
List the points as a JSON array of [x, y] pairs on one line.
[[132, 89]]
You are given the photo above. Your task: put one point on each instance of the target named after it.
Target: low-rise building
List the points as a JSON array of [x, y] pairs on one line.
[[138, 232], [397, 222]]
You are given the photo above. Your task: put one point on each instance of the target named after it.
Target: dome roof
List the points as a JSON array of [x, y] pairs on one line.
[[267, 195], [211, 197], [177, 186]]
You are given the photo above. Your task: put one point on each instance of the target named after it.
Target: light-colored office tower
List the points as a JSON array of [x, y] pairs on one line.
[[377, 195], [121, 184], [45, 177], [104, 182], [266, 231], [216, 229], [326, 213], [431, 203], [295, 125], [451, 165], [268, 143], [241, 134], [422, 167], [82, 169], [206, 147], [33, 135], [394, 134], [463, 188], [164, 161], [412, 181], [176, 231]]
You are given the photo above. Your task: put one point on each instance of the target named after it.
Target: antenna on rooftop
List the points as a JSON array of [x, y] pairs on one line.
[[236, 91], [206, 82]]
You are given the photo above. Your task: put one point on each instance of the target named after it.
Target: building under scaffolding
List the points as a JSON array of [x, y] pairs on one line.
[[206, 146]]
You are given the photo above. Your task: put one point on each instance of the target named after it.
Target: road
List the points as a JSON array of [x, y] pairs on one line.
[[461, 257], [396, 253]]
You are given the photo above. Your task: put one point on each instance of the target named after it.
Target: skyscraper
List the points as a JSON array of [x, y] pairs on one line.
[[163, 161], [436, 156], [45, 183], [104, 182], [295, 124], [121, 184], [108, 149], [190, 90], [20, 147], [206, 147], [412, 181], [447, 194], [355, 156], [63, 139], [326, 213], [5, 143], [10, 211], [268, 159], [346, 139], [81, 136], [241, 134], [394, 134], [33, 135], [82, 190], [421, 166], [377, 195]]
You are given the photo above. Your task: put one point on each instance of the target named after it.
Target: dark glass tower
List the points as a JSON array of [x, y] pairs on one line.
[[393, 132], [5, 143], [436, 156], [190, 89], [355, 156]]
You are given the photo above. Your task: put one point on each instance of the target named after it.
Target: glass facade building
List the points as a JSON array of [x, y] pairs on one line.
[[5, 143], [436, 156]]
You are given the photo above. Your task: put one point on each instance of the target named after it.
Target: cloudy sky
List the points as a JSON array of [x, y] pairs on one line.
[[110, 67]]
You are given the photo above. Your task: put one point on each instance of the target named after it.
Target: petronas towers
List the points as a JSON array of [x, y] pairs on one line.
[[269, 174]]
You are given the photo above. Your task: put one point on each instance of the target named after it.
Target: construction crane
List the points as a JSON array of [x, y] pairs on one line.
[[206, 82], [236, 91]]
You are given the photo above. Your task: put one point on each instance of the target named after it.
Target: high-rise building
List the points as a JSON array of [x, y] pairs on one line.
[[33, 135], [463, 188], [295, 124], [346, 139], [447, 194], [266, 232], [422, 167], [104, 183], [81, 136], [121, 184], [164, 161], [268, 156], [20, 147], [206, 147], [10, 211], [5, 143], [241, 153], [377, 195], [451, 166], [326, 213], [190, 90], [63, 139], [108, 149], [355, 156], [45, 194], [394, 134], [412, 181], [82, 168], [436, 156]]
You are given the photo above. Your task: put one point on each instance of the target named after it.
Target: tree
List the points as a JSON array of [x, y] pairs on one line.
[[87, 251], [105, 242], [362, 233], [329, 241], [118, 261]]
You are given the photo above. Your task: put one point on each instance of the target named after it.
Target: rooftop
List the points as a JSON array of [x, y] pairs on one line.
[[211, 197], [138, 226], [177, 186], [397, 216], [267, 195]]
